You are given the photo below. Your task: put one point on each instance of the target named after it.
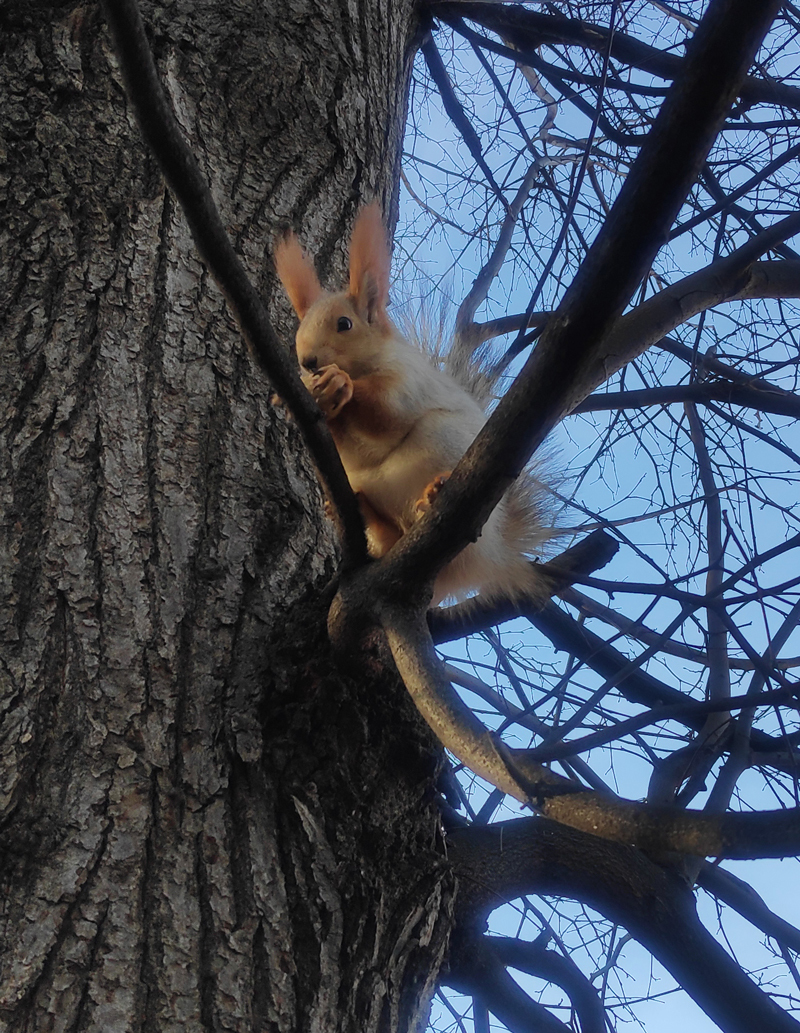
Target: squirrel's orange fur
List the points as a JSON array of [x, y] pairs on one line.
[[399, 421]]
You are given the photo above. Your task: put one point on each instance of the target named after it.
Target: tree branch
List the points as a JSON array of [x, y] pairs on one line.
[[572, 344], [476, 969], [455, 110], [656, 830], [739, 895], [637, 686], [692, 710], [635, 629], [736, 277], [536, 960], [533, 855], [483, 281], [787, 275], [533, 29], [782, 403], [740, 191], [163, 135]]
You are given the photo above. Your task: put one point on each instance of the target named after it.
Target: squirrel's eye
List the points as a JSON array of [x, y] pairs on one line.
[[344, 324]]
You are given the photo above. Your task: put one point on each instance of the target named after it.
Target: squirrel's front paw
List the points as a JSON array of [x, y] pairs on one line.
[[332, 388], [425, 502]]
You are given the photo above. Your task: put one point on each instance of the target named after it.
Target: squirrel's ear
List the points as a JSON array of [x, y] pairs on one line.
[[369, 265], [297, 274]]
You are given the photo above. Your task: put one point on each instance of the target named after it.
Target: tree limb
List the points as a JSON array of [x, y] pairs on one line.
[[635, 629], [181, 170], [537, 960], [656, 830], [483, 281], [739, 895], [637, 686], [533, 29], [500, 862], [779, 403], [476, 969], [691, 709], [735, 277], [455, 110], [740, 191], [554, 377]]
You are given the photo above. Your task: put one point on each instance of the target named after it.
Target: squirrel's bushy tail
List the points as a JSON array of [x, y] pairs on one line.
[[525, 519]]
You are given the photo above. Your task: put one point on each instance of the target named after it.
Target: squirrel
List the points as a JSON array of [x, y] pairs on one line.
[[399, 421]]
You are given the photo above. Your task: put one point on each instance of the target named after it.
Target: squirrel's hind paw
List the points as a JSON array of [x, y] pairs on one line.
[[426, 500]]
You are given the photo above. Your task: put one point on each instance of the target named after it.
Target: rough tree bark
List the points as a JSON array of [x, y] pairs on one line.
[[204, 825]]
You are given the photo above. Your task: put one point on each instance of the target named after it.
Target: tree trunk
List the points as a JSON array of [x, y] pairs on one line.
[[205, 825]]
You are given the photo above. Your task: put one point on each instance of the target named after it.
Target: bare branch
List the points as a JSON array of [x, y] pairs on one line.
[[455, 110], [780, 403], [744, 188], [163, 134], [743, 898], [653, 829], [637, 686], [536, 960], [533, 855], [695, 760], [483, 281], [571, 346], [780, 280], [732, 278], [531, 29], [637, 630], [476, 969], [690, 711]]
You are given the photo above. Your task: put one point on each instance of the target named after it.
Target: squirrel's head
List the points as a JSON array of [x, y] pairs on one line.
[[350, 328]]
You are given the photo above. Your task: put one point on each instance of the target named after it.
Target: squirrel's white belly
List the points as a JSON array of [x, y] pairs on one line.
[[430, 450]]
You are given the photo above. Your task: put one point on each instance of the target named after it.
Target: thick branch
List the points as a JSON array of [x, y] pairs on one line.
[[571, 345], [163, 134], [532, 855], [537, 960], [476, 969], [736, 277], [531, 29], [656, 830]]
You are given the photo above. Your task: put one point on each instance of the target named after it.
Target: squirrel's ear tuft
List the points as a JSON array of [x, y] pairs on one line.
[[369, 265], [297, 274]]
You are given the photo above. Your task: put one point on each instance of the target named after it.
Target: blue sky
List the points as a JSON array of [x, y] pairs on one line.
[[448, 224]]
